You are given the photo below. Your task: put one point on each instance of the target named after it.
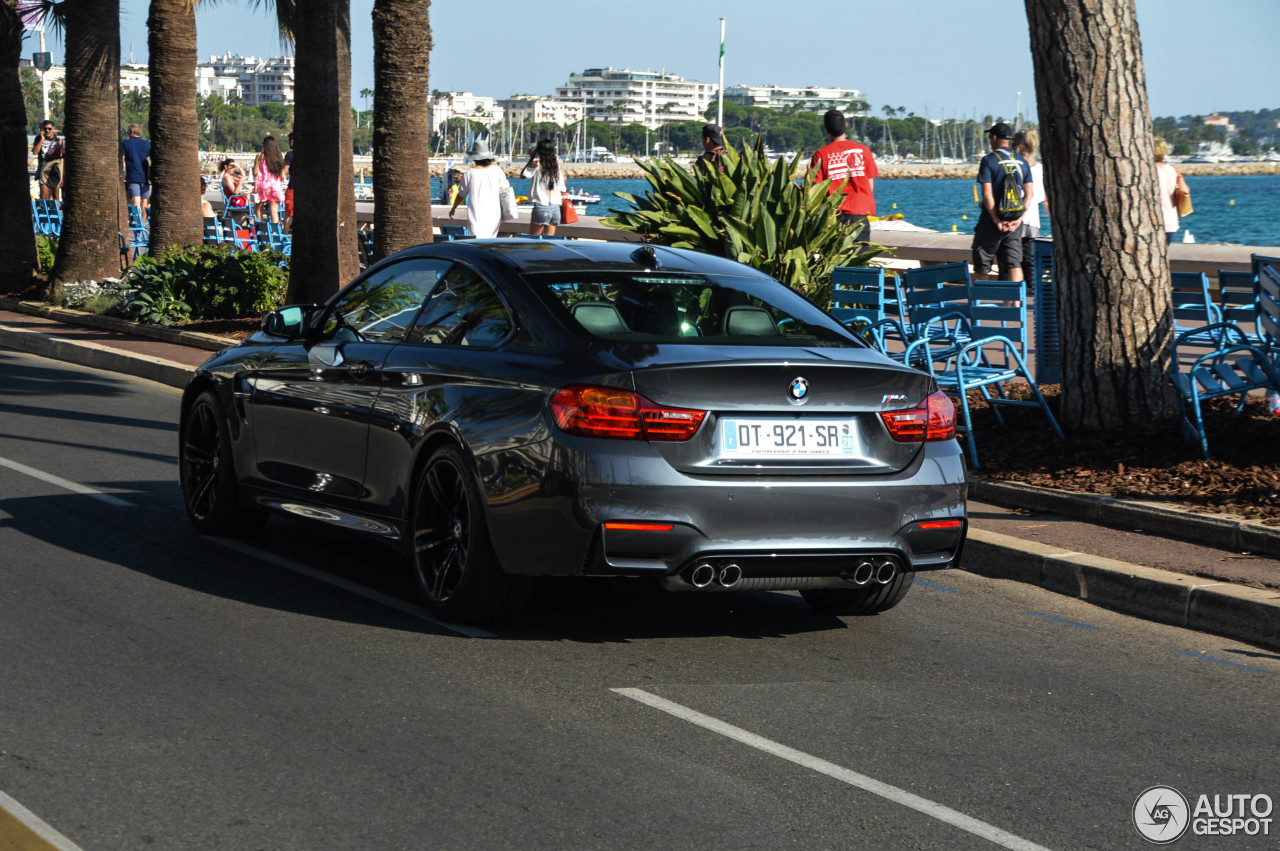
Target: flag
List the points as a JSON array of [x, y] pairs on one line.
[[722, 51]]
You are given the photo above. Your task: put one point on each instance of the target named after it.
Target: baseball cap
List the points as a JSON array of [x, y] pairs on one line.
[[1000, 130], [712, 132]]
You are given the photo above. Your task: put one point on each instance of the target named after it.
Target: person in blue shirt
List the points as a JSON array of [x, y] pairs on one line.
[[994, 238], [135, 163]]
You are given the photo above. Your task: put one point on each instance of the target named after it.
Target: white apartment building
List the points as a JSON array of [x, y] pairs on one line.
[[484, 110], [133, 78], [209, 82], [258, 81], [651, 98], [805, 98], [534, 109]]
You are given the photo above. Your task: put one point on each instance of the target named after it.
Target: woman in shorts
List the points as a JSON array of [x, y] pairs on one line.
[[546, 187]]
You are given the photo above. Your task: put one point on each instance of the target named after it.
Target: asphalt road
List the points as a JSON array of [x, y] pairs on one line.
[[159, 689]]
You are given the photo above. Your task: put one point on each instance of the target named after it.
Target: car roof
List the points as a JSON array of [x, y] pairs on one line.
[[532, 256]]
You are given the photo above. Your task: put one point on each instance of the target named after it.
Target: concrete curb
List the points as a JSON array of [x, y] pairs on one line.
[[96, 356], [1215, 530], [193, 339], [1244, 614]]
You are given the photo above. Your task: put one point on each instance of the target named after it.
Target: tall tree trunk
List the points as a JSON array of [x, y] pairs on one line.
[[17, 231], [1110, 264], [325, 253], [175, 127], [89, 248], [401, 125]]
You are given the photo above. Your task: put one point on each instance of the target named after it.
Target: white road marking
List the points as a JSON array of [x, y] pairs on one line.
[[868, 784], [74, 487], [346, 585], [36, 825]]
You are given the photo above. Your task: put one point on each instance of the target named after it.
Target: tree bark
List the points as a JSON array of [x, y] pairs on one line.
[[1110, 262], [401, 125], [89, 248], [325, 253], [174, 126], [17, 230]]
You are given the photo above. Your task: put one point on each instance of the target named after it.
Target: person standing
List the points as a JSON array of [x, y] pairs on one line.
[[712, 145], [995, 238], [851, 168], [481, 187], [1026, 142], [49, 149], [135, 165], [288, 190], [1171, 180], [546, 187], [268, 179]]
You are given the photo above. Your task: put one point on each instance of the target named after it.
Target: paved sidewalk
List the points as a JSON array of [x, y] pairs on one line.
[[1208, 573]]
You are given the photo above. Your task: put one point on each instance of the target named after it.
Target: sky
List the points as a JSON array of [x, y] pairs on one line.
[[925, 55]]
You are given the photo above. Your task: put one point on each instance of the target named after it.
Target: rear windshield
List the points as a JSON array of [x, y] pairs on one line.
[[654, 308]]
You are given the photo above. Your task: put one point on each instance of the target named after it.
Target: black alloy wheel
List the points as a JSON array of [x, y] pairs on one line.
[[453, 560], [207, 474], [871, 600]]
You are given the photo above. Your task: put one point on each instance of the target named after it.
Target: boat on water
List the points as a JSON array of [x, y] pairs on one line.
[[581, 196]]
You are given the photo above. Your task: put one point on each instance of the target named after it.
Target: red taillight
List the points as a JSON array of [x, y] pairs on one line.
[[932, 419], [615, 526], [942, 524], [612, 412]]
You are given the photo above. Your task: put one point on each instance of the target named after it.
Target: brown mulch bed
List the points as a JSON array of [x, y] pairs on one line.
[[237, 329], [1242, 478]]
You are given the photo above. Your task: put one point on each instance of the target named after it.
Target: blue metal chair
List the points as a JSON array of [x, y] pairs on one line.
[[1266, 275], [271, 235], [1235, 367], [47, 215], [1193, 306], [858, 301], [212, 231], [139, 234], [454, 231], [934, 299], [1238, 301], [986, 352], [1044, 297], [241, 235]]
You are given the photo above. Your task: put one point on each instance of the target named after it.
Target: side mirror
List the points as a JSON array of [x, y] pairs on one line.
[[287, 322]]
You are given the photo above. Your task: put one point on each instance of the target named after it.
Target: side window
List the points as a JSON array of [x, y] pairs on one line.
[[381, 307], [465, 311]]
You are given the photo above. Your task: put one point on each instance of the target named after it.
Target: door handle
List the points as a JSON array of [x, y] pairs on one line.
[[359, 369]]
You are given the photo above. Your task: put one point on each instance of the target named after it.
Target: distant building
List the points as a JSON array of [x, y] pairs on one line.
[[805, 99], [1217, 120], [258, 81], [484, 110], [209, 82], [534, 109], [651, 98], [133, 78]]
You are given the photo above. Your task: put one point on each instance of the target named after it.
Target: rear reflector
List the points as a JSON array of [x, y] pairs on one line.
[[613, 412], [639, 527], [932, 419], [942, 524]]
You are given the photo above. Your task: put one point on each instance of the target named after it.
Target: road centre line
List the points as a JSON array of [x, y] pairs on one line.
[[1064, 621], [861, 781], [1226, 662], [74, 487], [345, 584], [17, 833]]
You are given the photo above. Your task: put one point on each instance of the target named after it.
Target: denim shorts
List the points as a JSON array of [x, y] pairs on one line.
[[545, 214], [137, 190]]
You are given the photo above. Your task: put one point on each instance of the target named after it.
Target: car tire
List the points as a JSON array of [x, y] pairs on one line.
[[207, 473], [451, 554], [860, 601]]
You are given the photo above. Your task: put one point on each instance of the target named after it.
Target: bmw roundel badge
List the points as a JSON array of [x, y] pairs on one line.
[[798, 391]]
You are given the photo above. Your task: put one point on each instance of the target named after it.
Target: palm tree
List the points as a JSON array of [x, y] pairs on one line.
[[366, 94], [17, 235], [325, 253], [401, 127], [93, 212], [174, 124]]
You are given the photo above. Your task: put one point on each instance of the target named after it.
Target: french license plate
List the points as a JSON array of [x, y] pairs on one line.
[[785, 439]]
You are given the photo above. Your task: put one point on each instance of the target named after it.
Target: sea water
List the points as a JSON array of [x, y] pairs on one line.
[[1240, 209]]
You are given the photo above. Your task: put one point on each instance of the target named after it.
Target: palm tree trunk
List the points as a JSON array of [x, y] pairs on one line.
[[17, 231], [325, 252], [89, 248], [175, 127], [401, 125], [1110, 263]]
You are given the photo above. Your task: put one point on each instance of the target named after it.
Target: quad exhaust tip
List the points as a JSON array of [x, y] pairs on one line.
[[702, 575], [885, 571], [863, 573], [729, 575]]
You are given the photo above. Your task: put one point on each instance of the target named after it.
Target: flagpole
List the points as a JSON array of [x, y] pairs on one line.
[[720, 91]]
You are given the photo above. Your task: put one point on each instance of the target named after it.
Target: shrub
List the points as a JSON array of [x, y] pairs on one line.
[[46, 253], [205, 282], [755, 212]]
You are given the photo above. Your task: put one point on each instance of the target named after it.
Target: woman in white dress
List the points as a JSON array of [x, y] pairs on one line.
[[480, 187]]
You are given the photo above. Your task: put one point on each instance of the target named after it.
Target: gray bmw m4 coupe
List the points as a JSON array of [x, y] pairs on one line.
[[506, 409]]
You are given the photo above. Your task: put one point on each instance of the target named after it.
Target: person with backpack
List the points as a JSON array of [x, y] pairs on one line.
[[1006, 181]]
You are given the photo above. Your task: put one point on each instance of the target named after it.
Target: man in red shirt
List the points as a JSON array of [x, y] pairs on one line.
[[850, 167]]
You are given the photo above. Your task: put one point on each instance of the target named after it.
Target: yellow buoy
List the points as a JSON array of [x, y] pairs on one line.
[[966, 218], [895, 206], [953, 228], [1232, 202]]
